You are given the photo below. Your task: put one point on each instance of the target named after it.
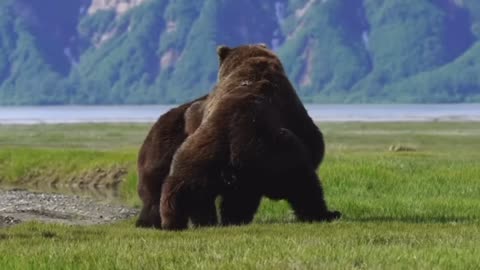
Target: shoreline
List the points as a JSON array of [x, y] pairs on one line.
[[116, 114], [452, 119]]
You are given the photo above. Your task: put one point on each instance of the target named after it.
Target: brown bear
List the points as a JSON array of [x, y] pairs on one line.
[[156, 153], [254, 140]]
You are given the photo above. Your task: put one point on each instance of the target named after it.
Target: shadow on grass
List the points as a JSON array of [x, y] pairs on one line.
[[385, 219], [415, 219]]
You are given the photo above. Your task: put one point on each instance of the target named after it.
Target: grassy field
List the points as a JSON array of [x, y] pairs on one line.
[[402, 209]]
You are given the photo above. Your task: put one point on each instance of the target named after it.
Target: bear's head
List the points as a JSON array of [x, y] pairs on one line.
[[256, 56]]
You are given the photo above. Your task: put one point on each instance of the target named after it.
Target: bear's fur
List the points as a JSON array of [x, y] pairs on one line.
[[156, 153], [193, 116], [254, 140]]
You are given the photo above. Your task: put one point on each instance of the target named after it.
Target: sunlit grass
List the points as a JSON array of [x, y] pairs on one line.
[[409, 210], [369, 245]]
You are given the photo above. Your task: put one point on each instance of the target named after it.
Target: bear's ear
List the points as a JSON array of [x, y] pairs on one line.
[[263, 45], [223, 52]]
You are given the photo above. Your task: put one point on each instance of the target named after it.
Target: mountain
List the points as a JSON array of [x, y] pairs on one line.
[[163, 51]]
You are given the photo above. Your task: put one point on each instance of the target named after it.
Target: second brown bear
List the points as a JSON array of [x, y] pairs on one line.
[[155, 156]]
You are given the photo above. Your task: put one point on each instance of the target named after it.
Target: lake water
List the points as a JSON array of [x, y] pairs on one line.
[[319, 112]]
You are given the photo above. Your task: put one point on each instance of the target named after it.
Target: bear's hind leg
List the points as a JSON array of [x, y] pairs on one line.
[[149, 217], [296, 179], [204, 212], [307, 200], [179, 202], [238, 207], [173, 205], [149, 189]]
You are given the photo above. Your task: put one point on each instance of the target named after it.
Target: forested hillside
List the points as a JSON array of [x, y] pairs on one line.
[[163, 51]]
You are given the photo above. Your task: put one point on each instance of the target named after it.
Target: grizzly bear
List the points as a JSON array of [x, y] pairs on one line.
[[254, 140], [156, 153]]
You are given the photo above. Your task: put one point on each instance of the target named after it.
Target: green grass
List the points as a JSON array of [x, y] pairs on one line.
[[78, 136], [418, 209], [368, 245], [36, 155]]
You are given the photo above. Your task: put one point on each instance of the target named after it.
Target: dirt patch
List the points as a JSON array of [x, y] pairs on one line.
[[20, 205]]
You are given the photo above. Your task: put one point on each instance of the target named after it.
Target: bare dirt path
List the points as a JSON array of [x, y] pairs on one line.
[[21, 205]]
